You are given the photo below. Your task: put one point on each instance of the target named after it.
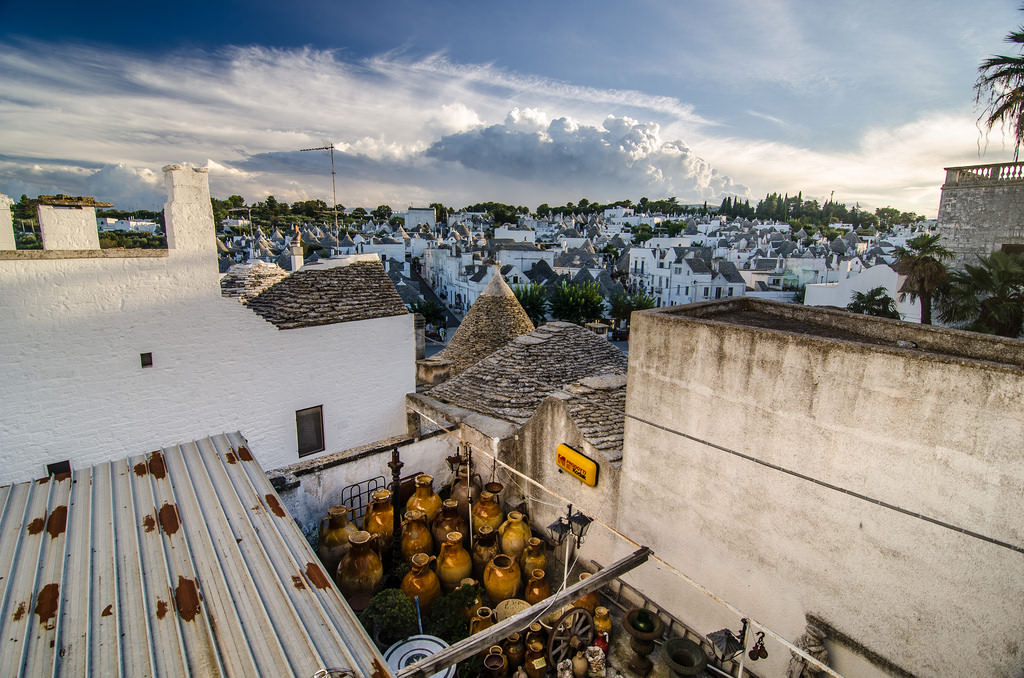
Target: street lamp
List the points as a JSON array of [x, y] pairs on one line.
[[575, 524]]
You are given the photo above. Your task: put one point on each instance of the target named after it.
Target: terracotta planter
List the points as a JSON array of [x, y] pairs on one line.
[[424, 498], [360, 571], [453, 562], [515, 532], [537, 588], [486, 512], [449, 520], [501, 578], [421, 581], [416, 536], [333, 542], [380, 519]]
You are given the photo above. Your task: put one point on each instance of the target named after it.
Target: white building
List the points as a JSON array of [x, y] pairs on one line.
[[673, 279], [419, 216], [840, 293], [106, 353], [134, 225]]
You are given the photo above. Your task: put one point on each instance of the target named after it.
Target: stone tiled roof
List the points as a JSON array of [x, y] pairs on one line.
[[245, 281], [597, 405], [494, 319], [510, 383], [323, 296]]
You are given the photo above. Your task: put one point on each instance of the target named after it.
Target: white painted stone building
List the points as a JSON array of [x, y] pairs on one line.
[[108, 352]]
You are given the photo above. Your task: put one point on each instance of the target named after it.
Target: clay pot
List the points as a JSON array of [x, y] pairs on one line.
[[537, 632], [424, 498], [449, 520], [484, 619], [602, 623], [590, 601], [380, 519], [485, 547], [534, 556], [537, 588], [462, 486], [684, 657], [421, 581], [360, 571], [579, 665], [515, 532], [333, 541], [535, 664], [486, 512], [501, 578], [515, 650], [453, 562], [416, 536], [495, 663]]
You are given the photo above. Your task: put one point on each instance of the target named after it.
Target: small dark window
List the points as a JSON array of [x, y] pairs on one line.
[[309, 425], [147, 359], [58, 467]]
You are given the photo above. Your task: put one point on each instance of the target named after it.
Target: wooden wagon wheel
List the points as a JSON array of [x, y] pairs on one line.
[[573, 631]]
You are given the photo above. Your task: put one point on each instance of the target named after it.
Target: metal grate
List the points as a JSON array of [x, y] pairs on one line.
[[357, 496]]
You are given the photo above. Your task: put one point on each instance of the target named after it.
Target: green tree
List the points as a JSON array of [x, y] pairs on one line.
[[395, 222], [440, 213], [999, 89], [381, 213], [875, 301], [534, 300], [432, 312], [921, 262], [987, 296], [623, 304], [576, 303]]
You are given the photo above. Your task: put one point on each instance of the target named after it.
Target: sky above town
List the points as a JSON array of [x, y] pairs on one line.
[[523, 103]]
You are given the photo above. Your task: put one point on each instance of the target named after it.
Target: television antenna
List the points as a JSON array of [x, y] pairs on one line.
[[334, 192]]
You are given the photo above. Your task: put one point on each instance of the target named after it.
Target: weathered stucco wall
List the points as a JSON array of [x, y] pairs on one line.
[[73, 385], [936, 435]]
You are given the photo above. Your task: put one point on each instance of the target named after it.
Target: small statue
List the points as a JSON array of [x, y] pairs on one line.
[[813, 643], [596, 660], [564, 668]]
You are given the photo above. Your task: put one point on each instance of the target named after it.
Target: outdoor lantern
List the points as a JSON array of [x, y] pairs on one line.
[[575, 524], [728, 644]]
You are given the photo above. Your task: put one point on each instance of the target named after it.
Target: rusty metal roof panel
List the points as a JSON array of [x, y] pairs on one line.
[[178, 562]]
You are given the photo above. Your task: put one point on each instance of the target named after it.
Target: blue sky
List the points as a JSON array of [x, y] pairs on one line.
[[524, 102]]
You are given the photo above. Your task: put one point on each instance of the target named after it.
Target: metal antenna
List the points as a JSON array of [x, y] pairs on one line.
[[334, 192]]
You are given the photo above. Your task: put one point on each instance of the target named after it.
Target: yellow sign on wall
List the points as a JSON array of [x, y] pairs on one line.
[[579, 465]]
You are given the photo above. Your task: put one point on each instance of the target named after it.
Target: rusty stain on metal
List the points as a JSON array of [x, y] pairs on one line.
[[57, 522], [161, 608], [107, 611], [36, 526], [186, 598], [140, 469], [20, 612], [60, 477], [244, 454], [43, 480], [46, 605], [169, 518], [156, 464], [378, 670], [317, 576], [275, 505], [231, 458], [298, 581], [149, 522]]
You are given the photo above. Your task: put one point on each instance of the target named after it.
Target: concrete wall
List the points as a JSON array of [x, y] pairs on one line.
[[73, 330], [981, 209], [935, 434]]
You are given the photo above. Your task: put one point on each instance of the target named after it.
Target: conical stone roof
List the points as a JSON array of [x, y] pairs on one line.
[[494, 319]]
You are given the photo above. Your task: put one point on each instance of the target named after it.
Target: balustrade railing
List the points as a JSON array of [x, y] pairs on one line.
[[985, 174]]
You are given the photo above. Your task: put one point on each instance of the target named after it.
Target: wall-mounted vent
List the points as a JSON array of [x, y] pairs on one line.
[[147, 359], [58, 468]]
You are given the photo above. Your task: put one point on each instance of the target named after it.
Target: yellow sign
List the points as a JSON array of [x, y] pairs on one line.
[[581, 466]]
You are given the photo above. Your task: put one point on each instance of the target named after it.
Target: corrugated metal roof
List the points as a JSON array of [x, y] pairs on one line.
[[178, 562]]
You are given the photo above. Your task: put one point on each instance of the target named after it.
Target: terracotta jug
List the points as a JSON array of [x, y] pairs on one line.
[[501, 578], [589, 601], [453, 562], [534, 663], [380, 519], [579, 665], [421, 581], [470, 610], [515, 650], [484, 619], [486, 512], [495, 663], [515, 532], [424, 499], [360, 571], [416, 536], [537, 588], [536, 632], [485, 547], [334, 532], [464, 483], [534, 556], [449, 520]]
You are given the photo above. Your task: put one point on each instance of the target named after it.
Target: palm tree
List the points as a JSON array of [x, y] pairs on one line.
[[1000, 88], [921, 263], [986, 297], [875, 301], [534, 300]]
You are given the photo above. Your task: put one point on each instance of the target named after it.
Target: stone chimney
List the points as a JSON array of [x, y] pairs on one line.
[[188, 213], [295, 250], [68, 222], [6, 224]]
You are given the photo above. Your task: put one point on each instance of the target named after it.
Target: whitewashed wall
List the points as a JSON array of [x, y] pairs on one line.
[[840, 293], [72, 384]]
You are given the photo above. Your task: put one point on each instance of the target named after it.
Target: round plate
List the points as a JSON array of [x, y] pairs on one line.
[[414, 648]]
